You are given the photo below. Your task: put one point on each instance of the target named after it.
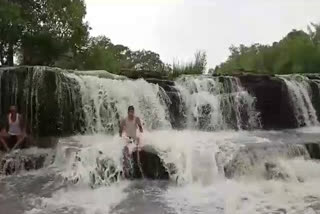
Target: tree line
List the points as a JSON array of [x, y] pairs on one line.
[[297, 52], [54, 33]]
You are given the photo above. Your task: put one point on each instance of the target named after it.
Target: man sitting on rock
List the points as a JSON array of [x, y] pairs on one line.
[[15, 133]]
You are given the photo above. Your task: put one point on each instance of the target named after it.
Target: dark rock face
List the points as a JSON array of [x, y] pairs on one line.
[[313, 150], [174, 103], [150, 165], [273, 101], [144, 164], [315, 98]]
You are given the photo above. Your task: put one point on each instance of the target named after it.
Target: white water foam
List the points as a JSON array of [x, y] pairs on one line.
[[80, 200], [198, 184], [251, 195], [214, 105], [105, 102]]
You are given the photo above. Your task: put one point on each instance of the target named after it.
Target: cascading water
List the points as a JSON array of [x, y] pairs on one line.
[[217, 103], [273, 177], [49, 101], [105, 102], [299, 91], [266, 174]]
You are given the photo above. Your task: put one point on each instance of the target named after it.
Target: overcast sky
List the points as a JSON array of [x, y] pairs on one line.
[[176, 29]]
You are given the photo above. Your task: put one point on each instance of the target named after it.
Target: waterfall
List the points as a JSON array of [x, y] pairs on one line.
[[49, 100], [57, 102], [300, 95], [217, 103], [105, 102]]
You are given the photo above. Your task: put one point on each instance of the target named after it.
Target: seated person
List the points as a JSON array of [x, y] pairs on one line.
[[16, 134]]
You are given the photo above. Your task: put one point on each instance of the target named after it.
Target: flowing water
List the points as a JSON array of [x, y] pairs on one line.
[[299, 92], [218, 166], [198, 185], [213, 103]]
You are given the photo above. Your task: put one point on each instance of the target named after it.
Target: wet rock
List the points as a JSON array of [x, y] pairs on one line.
[[315, 206], [274, 172], [273, 100], [313, 150], [281, 211], [253, 156], [174, 102], [311, 199], [150, 165], [105, 173], [17, 161]]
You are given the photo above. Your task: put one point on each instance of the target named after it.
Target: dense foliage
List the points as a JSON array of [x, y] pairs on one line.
[[54, 33], [298, 52], [101, 53], [41, 32]]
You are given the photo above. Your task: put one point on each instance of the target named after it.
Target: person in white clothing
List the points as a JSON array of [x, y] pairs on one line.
[[16, 133]]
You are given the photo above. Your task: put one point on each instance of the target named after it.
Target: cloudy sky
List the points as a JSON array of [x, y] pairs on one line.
[[177, 28]]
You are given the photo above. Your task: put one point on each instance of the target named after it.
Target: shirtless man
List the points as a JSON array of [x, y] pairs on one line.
[[130, 124]]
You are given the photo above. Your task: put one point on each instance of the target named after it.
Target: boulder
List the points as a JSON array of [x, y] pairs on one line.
[[313, 150], [254, 156], [24, 160], [150, 165]]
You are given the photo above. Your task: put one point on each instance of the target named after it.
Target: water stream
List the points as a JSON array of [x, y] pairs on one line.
[[222, 162]]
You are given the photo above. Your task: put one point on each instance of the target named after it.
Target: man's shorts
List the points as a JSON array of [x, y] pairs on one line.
[[13, 139]]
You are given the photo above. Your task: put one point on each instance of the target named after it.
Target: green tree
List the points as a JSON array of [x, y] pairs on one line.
[[55, 26], [297, 52], [11, 27], [41, 31], [146, 60], [99, 55]]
